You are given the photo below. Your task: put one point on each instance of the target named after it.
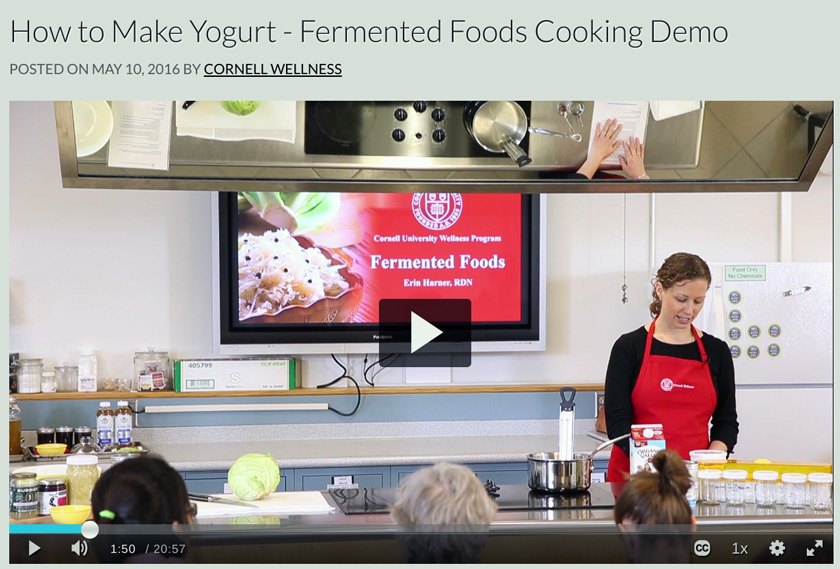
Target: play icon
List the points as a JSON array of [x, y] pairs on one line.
[[424, 332]]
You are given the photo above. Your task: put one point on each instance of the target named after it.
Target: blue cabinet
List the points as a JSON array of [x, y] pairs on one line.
[[213, 481], [307, 479], [499, 473]]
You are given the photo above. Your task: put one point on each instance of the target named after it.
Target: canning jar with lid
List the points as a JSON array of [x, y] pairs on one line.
[[67, 378], [151, 371], [46, 435], [712, 488], [64, 435], [82, 474], [23, 495], [29, 375], [52, 492], [794, 483], [49, 383], [736, 485], [81, 432], [819, 490], [766, 484]]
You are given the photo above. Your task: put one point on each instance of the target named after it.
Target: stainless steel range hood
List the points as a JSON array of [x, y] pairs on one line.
[[254, 165]]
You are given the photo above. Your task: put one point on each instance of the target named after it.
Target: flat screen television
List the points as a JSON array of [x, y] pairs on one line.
[[298, 273]]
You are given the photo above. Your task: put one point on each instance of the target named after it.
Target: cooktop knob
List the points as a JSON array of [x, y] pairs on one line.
[[398, 135], [438, 114], [400, 114], [438, 135], [420, 106]]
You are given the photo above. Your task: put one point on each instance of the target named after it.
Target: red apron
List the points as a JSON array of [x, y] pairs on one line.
[[676, 392]]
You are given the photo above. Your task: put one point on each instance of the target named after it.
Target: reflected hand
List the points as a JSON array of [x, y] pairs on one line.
[[604, 143], [633, 159]]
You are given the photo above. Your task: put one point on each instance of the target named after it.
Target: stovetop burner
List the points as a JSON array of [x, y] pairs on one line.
[[433, 129], [511, 497]]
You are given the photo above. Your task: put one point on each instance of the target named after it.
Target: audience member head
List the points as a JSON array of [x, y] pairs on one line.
[[445, 511], [653, 513]]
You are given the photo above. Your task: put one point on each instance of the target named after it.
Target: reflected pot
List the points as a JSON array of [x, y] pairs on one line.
[[567, 506], [547, 473]]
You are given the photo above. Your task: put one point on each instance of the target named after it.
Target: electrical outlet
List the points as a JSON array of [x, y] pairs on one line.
[[599, 402]]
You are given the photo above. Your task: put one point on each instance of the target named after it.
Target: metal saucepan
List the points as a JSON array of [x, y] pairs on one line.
[[498, 126], [547, 473]]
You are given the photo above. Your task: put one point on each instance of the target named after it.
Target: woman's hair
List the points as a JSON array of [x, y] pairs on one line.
[[657, 497], [142, 490], [675, 269], [443, 494]]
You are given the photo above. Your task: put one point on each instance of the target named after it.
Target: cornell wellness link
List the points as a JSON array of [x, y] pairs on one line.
[[272, 70]]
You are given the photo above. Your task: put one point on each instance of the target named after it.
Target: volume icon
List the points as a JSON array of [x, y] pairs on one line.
[[80, 548]]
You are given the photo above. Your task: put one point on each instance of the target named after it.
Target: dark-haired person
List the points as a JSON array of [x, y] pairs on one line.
[[142, 491], [653, 513], [669, 372], [445, 511]]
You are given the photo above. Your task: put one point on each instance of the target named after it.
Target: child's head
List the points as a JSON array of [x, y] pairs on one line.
[[656, 497]]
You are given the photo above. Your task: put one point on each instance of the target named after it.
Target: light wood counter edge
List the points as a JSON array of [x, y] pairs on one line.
[[385, 390]]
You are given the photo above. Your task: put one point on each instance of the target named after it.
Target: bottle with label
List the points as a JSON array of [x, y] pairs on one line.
[[87, 372], [14, 427], [123, 424], [105, 426]]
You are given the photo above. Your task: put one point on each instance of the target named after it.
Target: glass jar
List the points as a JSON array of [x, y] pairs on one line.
[[794, 483], [151, 371], [766, 484], [14, 427], [52, 492], [48, 382], [67, 378], [29, 375], [80, 433], [692, 493], [82, 474], [736, 485], [46, 435], [23, 495], [64, 435], [819, 490], [712, 489]]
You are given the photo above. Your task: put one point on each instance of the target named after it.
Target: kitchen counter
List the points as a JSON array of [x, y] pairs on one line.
[[371, 444], [368, 444]]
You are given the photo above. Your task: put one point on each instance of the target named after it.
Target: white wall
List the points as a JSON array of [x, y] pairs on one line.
[[118, 271]]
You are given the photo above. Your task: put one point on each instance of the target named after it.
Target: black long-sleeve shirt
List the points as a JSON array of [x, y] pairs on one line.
[[623, 370]]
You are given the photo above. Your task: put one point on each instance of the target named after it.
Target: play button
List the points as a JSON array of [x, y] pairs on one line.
[[34, 548], [422, 332]]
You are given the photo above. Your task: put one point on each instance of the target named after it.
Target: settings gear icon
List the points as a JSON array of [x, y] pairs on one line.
[[777, 548]]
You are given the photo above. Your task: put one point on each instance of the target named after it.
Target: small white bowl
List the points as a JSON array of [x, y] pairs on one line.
[[93, 123]]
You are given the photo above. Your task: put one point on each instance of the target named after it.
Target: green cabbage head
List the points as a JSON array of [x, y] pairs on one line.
[[241, 108], [254, 476]]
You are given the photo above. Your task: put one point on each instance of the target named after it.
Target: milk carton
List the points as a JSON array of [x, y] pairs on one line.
[[645, 442]]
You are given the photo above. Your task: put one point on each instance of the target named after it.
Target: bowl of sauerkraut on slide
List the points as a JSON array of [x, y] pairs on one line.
[[288, 279]]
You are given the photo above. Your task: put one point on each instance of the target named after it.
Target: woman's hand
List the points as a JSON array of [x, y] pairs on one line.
[[603, 144], [633, 159]]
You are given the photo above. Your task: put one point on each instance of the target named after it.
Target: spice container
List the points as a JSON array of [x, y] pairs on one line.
[[766, 487], [23, 495], [82, 474], [692, 493], [14, 427], [46, 435], [29, 375], [88, 372], [819, 490], [736, 486], [712, 488], [151, 371], [51, 492], [794, 483], [67, 378], [64, 435]]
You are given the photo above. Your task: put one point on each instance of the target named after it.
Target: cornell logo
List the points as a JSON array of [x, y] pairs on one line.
[[437, 211]]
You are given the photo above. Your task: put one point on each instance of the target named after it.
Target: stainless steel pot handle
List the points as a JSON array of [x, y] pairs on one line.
[[604, 445]]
